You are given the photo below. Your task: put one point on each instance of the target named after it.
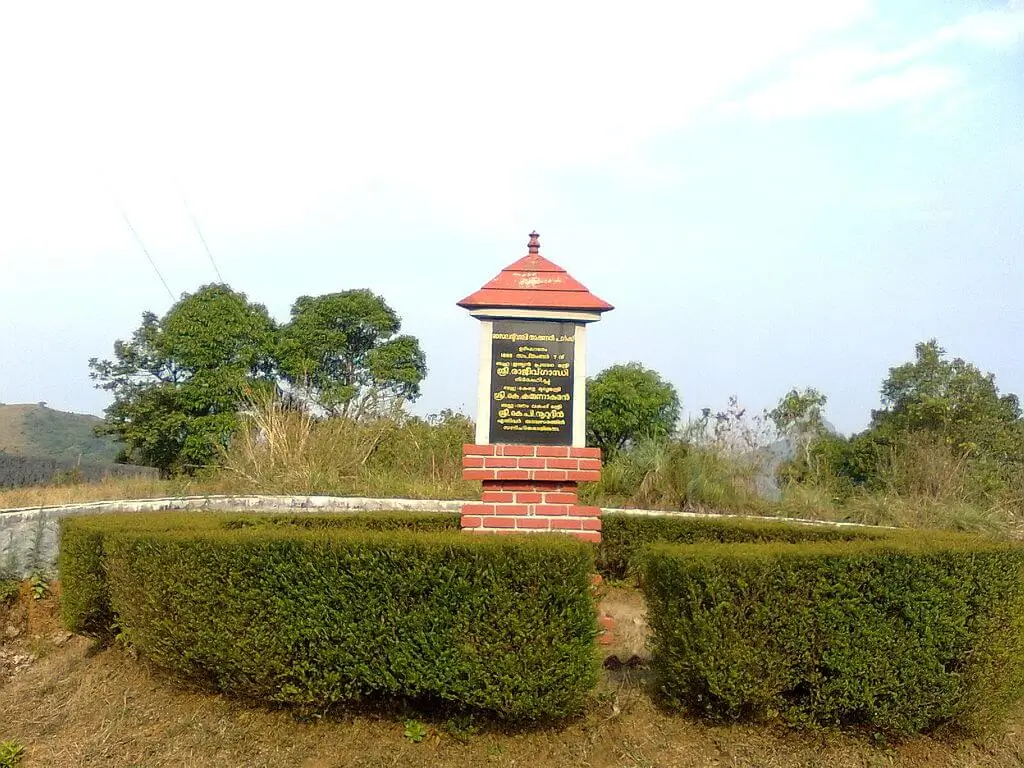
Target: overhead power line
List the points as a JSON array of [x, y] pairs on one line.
[[195, 223], [145, 250], [124, 215]]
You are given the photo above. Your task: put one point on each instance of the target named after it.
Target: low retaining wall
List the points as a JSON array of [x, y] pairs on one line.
[[29, 537]]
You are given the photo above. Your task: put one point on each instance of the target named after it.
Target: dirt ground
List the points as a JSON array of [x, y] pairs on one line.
[[72, 703], [630, 634]]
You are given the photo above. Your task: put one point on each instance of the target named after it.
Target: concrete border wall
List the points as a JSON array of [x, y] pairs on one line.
[[29, 537]]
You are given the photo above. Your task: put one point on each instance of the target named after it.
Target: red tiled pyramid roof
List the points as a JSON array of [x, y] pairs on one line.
[[533, 282]]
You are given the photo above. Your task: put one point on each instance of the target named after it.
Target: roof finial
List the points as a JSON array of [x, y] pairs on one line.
[[534, 242]]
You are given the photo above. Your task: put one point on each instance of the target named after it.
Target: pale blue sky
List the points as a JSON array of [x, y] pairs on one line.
[[772, 195]]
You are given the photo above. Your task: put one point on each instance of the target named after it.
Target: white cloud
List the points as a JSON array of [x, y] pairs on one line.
[[823, 91], [995, 29], [265, 116], [859, 78]]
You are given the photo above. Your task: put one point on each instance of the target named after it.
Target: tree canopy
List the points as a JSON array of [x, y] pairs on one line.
[[181, 380], [629, 402], [798, 417], [344, 352], [934, 406], [954, 400]]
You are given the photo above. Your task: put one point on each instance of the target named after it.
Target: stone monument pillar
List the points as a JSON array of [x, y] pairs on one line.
[[530, 450]]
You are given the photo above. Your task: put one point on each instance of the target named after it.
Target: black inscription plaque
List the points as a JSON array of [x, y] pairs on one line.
[[531, 382]]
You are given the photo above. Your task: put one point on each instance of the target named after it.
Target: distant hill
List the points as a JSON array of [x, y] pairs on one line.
[[38, 431]]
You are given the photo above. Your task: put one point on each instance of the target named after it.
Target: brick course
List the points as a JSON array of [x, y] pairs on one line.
[[531, 489], [544, 451]]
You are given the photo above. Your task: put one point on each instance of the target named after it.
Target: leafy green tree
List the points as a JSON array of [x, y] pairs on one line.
[[626, 403], [798, 417], [952, 398], [955, 401], [940, 410], [180, 380], [344, 352]]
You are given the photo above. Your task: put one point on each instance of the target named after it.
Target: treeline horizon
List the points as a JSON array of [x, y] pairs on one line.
[[215, 388]]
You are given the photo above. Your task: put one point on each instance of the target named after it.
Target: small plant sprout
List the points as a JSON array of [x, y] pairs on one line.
[[11, 753], [40, 586], [415, 731]]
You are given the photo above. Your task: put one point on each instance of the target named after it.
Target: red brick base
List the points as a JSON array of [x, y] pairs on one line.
[[531, 489]]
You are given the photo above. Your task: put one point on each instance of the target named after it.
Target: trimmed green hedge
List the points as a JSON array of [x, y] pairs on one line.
[[900, 635], [625, 539], [85, 604], [84, 600], [318, 610], [892, 630], [422, 522]]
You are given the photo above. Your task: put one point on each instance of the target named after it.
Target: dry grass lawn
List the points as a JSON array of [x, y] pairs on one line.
[[80, 705], [109, 489]]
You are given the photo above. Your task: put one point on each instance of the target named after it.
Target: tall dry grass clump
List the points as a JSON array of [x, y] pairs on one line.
[[283, 448], [421, 458], [919, 481], [938, 486], [923, 466], [716, 463], [679, 475]]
